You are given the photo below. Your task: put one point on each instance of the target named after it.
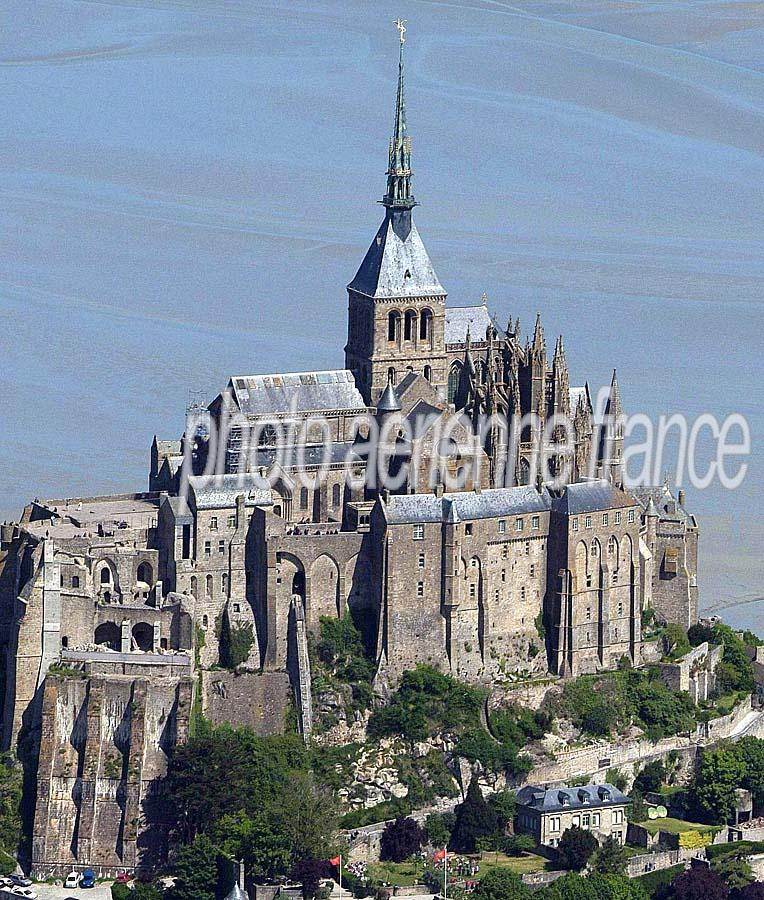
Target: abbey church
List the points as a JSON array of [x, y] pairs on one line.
[[116, 612]]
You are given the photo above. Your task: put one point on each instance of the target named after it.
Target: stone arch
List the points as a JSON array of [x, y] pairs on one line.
[[281, 494], [109, 633], [293, 574], [425, 325], [105, 575], [625, 554], [394, 326], [143, 636], [325, 598], [454, 379], [410, 325], [145, 573]]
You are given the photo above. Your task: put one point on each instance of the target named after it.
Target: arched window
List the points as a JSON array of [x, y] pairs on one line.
[[224, 583], [425, 324], [64, 642], [391, 376], [209, 585], [335, 495], [409, 325], [393, 326], [105, 575], [428, 373], [193, 585], [145, 574], [454, 375], [303, 498], [205, 621]]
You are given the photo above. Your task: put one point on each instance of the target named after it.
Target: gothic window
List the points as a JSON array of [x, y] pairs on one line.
[[335, 495], [393, 326], [453, 381], [193, 585], [428, 373], [425, 324], [391, 376], [409, 325], [303, 498], [209, 585], [268, 436]]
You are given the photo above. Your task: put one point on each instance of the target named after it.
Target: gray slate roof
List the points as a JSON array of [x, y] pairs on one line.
[[588, 496], [588, 796], [388, 259], [219, 491], [663, 498], [415, 508], [460, 318], [303, 392]]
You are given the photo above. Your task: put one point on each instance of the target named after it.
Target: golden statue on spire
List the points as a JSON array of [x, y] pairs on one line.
[[400, 24]]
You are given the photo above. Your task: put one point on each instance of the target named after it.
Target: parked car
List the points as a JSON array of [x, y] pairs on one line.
[[123, 878], [72, 880], [88, 879], [20, 880], [24, 892]]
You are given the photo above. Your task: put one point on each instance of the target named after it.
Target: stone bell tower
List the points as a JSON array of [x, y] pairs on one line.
[[396, 305]]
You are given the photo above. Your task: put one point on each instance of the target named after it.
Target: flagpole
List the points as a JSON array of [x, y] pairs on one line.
[[340, 876], [445, 873]]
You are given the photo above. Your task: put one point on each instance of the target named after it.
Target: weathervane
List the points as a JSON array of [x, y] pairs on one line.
[[400, 24]]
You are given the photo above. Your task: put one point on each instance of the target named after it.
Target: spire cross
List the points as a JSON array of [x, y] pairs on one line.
[[400, 24]]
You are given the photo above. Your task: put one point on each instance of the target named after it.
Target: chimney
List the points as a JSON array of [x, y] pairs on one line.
[[681, 498]]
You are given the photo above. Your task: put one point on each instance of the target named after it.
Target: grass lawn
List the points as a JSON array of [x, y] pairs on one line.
[[410, 872], [404, 874], [528, 862], [676, 826]]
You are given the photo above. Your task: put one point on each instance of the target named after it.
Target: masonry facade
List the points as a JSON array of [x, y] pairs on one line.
[[114, 610]]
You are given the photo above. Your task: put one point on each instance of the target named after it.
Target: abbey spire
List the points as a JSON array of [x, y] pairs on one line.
[[396, 304], [399, 194]]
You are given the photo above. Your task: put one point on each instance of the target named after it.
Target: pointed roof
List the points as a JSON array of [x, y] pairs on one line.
[[396, 267], [388, 402], [538, 334], [613, 406], [652, 509]]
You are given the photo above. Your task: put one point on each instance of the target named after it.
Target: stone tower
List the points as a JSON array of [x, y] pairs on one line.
[[396, 305]]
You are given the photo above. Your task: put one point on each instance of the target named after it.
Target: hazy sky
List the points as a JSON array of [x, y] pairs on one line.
[[188, 186]]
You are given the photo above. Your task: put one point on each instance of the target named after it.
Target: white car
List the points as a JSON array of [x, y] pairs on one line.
[[24, 892], [72, 880]]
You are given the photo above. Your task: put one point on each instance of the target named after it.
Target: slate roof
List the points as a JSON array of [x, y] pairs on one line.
[[588, 496], [383, 270], [588, 796], [301, 392], [662, 497], [415, 508], [459, 318], [218, 491]]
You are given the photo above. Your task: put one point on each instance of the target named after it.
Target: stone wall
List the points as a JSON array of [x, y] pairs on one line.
[[104, 744], [256, 700]]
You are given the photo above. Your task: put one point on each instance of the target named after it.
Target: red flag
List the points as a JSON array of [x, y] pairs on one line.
[[440, 855], [336, 861]]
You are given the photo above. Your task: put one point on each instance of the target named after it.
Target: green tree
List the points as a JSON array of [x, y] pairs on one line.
[[675, 641], [307, 817], [500, 884], [439, 827], [11, 778], [401, 839], [474, 820], [592, 887], [196, 871], [611, 858], [735, 671], [720, 773], [503, 805], [651, 777], [751, 752], [576, 848], [735, 871], [518, 844], [143, 890]]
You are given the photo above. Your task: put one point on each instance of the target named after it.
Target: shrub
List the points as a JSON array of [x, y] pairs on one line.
[[576, 848], [401, 839], [474, 820]]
